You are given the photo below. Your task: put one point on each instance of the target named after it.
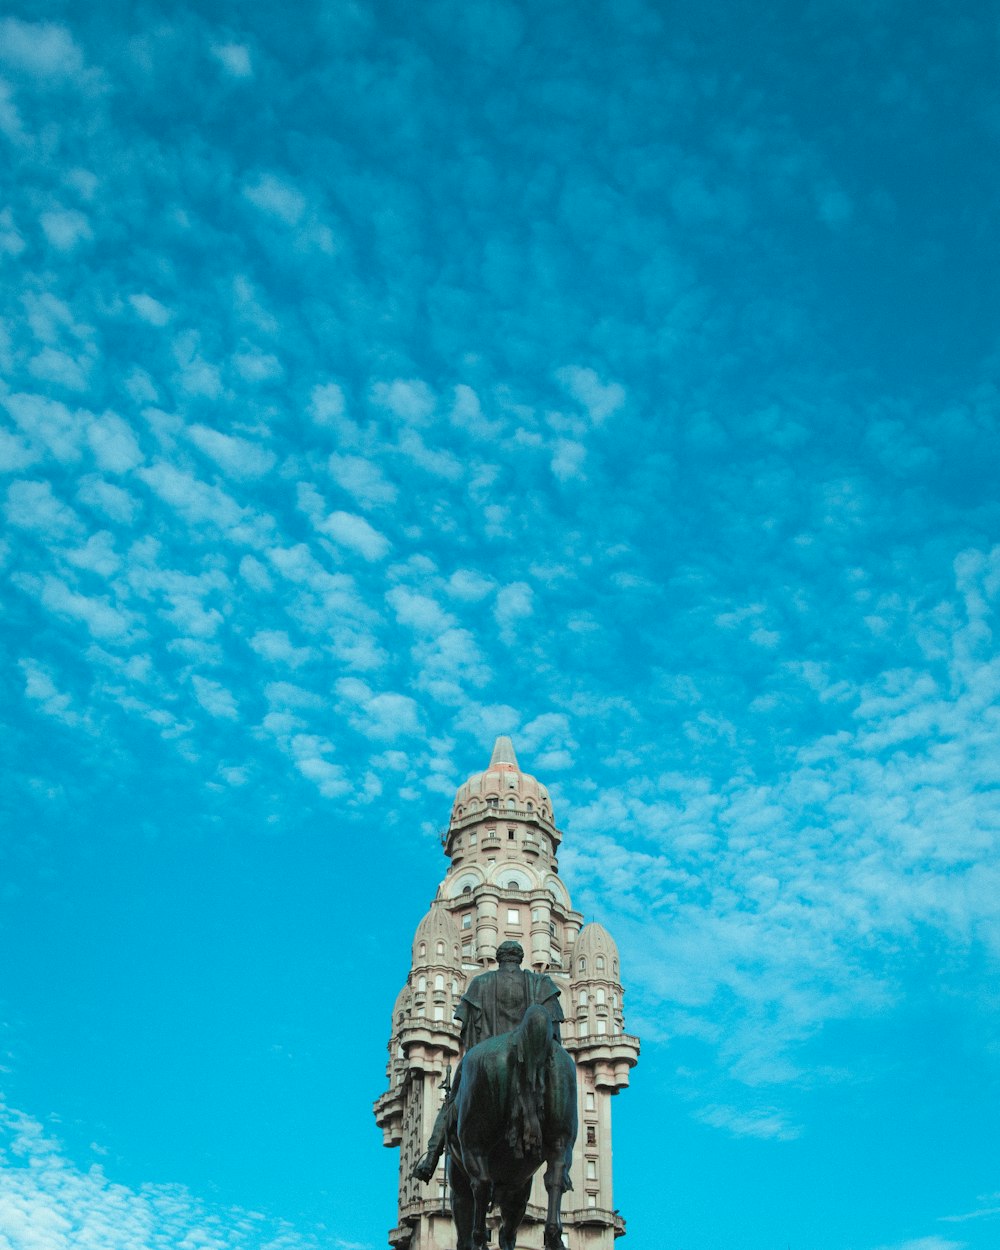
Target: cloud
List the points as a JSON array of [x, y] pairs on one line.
[[363, 479], [382, 717], [355, 533], [567, 459], [65, 228], [214, 697], [766, 1123], [105, 621], [47, 1202], [45, 50], [237, 457], [277, 197], [234, 58], [275, 645], [601, 400], [925, 1243], [469, 585], [150, 309], [412, 400], [196, 501], [115, 447], [32, 505], [419, 611], [514, 603]]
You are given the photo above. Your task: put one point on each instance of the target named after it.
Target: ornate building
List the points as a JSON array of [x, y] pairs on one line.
[[503, 883]]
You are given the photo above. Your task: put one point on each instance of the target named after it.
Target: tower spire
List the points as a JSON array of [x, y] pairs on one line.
[[503, 753]]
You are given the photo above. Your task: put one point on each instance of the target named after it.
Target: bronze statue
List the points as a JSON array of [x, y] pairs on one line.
[[512, 1104]]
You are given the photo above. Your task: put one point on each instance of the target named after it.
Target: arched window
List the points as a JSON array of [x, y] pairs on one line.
[[440, 948], [423, 949], [421, 985], [614, 966], [582, 965], [512, 802], [583, 998], [600, 963], [439, 982], [599, 998]]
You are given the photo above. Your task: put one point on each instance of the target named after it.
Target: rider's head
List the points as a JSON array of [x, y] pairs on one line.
[[510, 953]]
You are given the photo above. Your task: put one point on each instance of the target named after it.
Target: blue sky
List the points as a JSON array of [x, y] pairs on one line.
[[378, 378]]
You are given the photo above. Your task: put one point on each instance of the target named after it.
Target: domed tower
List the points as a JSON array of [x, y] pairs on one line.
[[502, 883]]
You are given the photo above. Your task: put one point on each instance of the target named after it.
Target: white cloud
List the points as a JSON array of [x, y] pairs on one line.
[[49, 423], [469, 585], [43, 49], [61, 368], [47, 1202], [381, 717], [104, 621], [106, 497], [514, 603], [65, 228], [237, 457], [214, 697], [355, 533], [327, 404], [150, 309], [277, 197], [567, 459], [600, 399], [276, 646], [419, 611], [925, 1243], [412, 400], [234, 58], [40, 687], [195, 500], [363, 479], [115, 447], [766, 1123], [32, 505], [254, 365], [15, 454]]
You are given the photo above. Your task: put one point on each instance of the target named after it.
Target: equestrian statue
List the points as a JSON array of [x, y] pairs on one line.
[[511, 1107]]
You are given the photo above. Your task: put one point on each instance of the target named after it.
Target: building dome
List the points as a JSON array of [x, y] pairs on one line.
[[502, 786], [436, 940], [400, 1008], [595, 955]]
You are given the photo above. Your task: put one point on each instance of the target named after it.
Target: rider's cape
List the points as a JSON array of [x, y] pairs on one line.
[[479, 1011]]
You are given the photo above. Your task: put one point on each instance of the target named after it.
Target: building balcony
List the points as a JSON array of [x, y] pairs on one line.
[[599, 1216]]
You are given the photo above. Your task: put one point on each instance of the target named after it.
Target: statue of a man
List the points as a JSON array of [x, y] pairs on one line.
[[494, 1003]]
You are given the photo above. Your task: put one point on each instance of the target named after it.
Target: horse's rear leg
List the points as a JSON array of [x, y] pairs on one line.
[[513, 1202], [481, 1190], [556, 1184], [462, 1207]]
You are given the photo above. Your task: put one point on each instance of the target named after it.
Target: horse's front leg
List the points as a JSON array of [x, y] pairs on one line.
[[558, 1155], [513, 1202]]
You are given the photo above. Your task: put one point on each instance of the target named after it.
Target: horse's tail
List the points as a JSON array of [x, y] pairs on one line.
[[532, 1044]]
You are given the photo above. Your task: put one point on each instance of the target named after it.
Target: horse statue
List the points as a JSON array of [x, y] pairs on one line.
[[515, 1108]]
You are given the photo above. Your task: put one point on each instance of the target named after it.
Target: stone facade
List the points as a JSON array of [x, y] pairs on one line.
[[502, 883]]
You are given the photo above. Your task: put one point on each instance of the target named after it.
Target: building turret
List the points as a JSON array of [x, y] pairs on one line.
[[502, 883]]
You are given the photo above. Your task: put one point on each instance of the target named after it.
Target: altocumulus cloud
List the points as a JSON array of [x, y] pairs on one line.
[[47, 1203]]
